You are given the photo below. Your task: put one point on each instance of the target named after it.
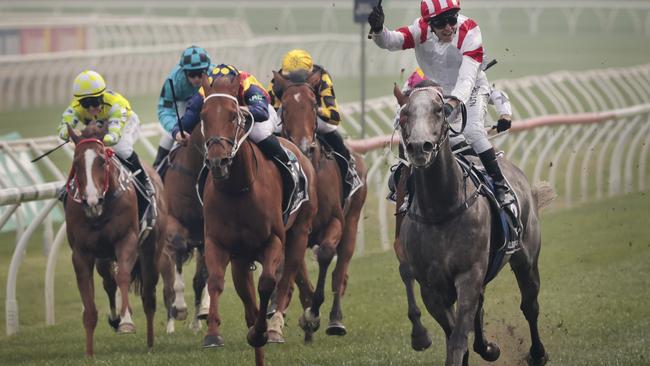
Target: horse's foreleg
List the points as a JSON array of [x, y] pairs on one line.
[[420, 339], [83, 268], [468, 289], [127, 256], [528, 280], [201, 296], [105, 270], [150, 274], [326, 251], [216, 260], [257, 335], [489, 351]]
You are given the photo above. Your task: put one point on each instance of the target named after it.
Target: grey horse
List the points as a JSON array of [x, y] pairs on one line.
[[447, 234]]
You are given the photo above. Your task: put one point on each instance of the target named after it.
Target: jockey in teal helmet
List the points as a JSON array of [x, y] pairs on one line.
[[186, 77]]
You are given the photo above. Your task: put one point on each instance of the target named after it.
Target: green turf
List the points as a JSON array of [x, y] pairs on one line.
[[594, 270]]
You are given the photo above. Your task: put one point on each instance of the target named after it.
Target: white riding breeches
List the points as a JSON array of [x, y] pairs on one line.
[[262, 130], [475, 133], [323, 127], [130, 134]]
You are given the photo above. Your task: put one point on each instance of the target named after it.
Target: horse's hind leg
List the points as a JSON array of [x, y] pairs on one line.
[[126, 259], [83, 268], [167, 271], [527, 275], [489, 351], [149, 280], [201, 296]]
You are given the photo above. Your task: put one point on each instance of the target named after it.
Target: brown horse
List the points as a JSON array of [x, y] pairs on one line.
[[185, 226], [449, 231], [102, 225], [243, 213], [334, 229]]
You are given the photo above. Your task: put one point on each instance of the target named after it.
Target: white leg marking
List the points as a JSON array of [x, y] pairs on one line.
[[179, 288]]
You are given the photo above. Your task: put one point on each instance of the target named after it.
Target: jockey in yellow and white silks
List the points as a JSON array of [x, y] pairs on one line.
[[299, 60], [449, 50], [92, 101]]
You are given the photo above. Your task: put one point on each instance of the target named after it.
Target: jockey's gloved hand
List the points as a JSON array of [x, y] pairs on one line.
[[63, 133], [447, 108], [503, 124], [110, 139], [376, 19]]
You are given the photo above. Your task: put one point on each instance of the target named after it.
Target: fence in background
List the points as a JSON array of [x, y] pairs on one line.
[[608, 12], [587, 133]]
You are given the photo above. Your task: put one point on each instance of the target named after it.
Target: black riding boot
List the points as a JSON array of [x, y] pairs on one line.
[[160, 156], [502, 190], [271, 147], [335, 140], [149, 190]]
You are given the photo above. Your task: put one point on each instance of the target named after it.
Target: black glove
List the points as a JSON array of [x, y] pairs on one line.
[[503, 124], [376, 19], [447, 108]]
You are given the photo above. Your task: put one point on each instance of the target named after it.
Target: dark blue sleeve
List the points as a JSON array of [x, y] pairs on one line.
[[192, 114], [257, 102]]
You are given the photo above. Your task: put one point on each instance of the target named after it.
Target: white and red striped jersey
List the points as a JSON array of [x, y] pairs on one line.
[[455, 65]]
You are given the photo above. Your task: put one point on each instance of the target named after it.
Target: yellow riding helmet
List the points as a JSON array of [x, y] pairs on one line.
[[296, 60], [88, 84]]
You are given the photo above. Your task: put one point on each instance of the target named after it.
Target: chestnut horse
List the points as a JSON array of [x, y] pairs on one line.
[[243, 213], [185, 226], [333, 230], [448, 233], [101, 215]]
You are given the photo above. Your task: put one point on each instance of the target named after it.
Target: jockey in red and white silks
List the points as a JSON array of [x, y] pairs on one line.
[[455, 65]]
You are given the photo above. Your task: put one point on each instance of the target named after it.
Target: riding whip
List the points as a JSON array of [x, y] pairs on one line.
[[48, 153], [178, 116]]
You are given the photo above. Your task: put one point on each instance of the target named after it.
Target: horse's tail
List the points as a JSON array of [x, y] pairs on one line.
[[543, 194], [136, 278]]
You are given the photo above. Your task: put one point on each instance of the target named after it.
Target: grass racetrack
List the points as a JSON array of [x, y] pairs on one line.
[[595, 274]]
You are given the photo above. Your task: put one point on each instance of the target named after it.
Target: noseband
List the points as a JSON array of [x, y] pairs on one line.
[[235, 142]]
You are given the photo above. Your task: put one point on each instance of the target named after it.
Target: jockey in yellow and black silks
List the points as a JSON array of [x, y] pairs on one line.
[[328, 110]]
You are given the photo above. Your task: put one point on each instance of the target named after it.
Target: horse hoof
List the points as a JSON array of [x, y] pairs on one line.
[[256, 340], [491, 352], [114, 323], [179, 314], [336, 329], [308, 322], [126, 328], [420, 341], [210, 341], [275, 337], [537, 361]]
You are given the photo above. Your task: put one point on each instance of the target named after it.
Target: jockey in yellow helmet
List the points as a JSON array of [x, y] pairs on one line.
[[91, 101], [299, 60]]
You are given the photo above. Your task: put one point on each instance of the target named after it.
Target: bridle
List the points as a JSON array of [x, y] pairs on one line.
[[240, 123], [108, 154], [445, 127]]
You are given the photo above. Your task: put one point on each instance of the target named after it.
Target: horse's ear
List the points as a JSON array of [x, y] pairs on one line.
[[205, 84], [314, 79], [401, 98], [279, 82], [73, 134]]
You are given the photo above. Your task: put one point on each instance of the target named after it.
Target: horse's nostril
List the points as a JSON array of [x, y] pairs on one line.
[[224, 162], [409, 148], [427, 147]]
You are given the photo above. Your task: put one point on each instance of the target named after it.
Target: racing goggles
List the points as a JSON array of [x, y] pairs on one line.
[[441, 21], [194, 73], [89, 102]]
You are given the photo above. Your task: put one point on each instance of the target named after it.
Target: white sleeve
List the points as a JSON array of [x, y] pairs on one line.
[[501, 102], [471, 47], [402, 38]]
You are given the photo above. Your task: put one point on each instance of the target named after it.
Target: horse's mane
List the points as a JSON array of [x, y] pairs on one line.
[[423, 84]]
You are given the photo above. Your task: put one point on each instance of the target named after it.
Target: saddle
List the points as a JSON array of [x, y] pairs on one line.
[[294, 185]]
